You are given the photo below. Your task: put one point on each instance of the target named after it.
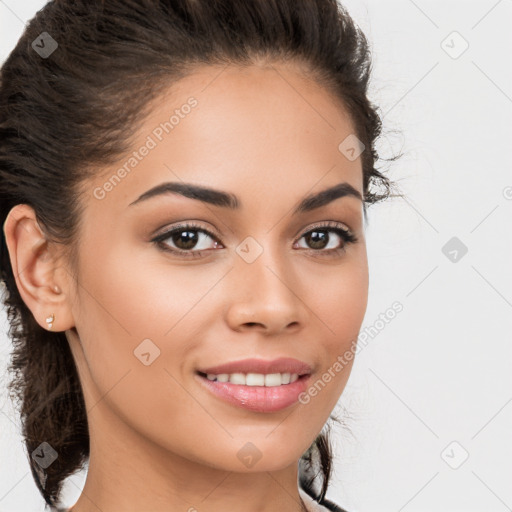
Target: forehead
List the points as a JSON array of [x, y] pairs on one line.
[[262, 129], [262, 100]]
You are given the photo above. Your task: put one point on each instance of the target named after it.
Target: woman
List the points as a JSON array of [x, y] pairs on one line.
[[183, 191]]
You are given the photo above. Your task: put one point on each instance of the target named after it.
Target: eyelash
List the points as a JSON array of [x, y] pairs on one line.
[[347, 236]]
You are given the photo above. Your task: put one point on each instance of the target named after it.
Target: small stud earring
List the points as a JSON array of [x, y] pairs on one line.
[[49, 320]]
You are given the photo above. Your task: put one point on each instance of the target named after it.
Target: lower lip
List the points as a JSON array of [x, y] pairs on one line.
[[257, 398]]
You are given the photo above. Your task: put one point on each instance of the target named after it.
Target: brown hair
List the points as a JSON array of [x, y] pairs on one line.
[[65, 113]]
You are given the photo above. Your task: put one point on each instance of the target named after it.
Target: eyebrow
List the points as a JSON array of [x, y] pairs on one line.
[[228, 200]]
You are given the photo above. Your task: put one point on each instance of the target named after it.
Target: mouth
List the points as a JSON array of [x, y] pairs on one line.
[[254, 379], [257, 392], [282, 365]]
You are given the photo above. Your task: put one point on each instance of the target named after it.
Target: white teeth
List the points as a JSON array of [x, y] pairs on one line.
[[255, 379], [237, 378]]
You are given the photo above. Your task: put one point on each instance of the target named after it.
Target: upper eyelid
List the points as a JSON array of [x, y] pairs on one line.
[[181, 226], [341, 229], [328, 225]]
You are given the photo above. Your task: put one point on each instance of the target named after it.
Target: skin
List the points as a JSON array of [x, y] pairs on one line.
[[159, 440]]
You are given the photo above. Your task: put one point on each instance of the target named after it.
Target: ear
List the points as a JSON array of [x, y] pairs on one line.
[[42, 283]]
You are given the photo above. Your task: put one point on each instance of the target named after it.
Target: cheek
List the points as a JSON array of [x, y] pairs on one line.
[[138, 295], [125, 314], [125, 311], [339, 298], [141, 317]]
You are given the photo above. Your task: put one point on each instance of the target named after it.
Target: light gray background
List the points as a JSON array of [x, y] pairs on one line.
[[434, 384]]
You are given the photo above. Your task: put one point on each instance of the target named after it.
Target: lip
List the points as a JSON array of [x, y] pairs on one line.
[[280, 365], [257, 398]]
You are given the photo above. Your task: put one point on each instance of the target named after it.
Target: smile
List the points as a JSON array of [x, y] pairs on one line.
[[278, 392]]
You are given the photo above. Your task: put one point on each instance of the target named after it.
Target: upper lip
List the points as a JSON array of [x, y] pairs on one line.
[[281, 365]]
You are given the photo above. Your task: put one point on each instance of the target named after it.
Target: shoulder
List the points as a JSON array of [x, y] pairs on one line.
[[314, 506]]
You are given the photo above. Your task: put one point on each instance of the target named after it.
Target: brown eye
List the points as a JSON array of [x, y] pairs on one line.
[[317, 239], [187, 240], [327, 239]]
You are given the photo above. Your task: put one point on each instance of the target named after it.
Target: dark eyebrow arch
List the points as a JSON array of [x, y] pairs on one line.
[[228, 200]]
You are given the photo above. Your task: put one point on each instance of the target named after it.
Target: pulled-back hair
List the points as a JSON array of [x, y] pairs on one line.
[[66, 114]]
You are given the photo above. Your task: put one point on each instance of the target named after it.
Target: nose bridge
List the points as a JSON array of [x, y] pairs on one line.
[[265, 286], [266, 273]]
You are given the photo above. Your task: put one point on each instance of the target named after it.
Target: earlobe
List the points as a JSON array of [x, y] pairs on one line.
[[34, 269], [49, 321]]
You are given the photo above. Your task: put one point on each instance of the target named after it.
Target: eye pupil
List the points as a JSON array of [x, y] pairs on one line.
[[315, 241], [189, 238], [185, 238]]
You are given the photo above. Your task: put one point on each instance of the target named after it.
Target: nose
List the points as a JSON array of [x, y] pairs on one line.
[[266, 296]]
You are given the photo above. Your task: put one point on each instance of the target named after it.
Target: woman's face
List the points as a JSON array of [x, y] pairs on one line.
[[264, 284]]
